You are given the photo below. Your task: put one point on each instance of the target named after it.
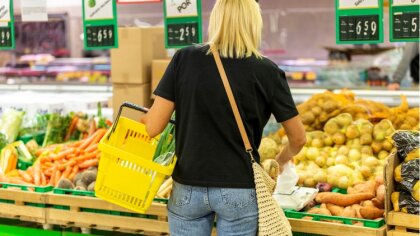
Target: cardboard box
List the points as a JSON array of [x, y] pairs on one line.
[[393, 161], [131, 63], [158, 70], [135, 93]]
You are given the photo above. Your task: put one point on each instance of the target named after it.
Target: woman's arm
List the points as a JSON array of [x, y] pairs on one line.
[[297, 139], [158, 116]]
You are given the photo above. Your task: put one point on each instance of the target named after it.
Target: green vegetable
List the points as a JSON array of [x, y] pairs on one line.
[[101, 121], [23, 152], [31, 126], [92, 3], [10, 124], [56, 129], [3, 141], [165, 150]]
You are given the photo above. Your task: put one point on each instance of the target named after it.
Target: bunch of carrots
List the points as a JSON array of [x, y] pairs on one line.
[[59, 161]]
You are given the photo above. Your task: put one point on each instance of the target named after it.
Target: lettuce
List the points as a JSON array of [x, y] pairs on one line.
[[10, 124]]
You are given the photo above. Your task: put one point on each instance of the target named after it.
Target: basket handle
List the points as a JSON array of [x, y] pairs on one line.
[[134, 107]]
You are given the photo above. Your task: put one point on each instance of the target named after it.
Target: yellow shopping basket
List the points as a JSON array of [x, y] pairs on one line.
[[127, 175]]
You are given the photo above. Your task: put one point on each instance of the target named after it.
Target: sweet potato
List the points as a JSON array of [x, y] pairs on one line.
[[335, 210], [366, 187], [319, 211], [357, 207], [371, 213], [343, 199], [377, 203], [349, 212], [380, 193]]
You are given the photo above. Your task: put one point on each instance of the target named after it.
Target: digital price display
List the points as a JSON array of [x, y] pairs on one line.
[[404, 21], [359, 22], [6, 37], [182, 23], [183, 34], [100, 36], [359, 28]]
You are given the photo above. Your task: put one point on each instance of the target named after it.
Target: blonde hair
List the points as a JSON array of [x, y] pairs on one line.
[[235, 28]]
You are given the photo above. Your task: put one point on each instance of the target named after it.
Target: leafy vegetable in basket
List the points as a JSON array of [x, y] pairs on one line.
[[56, 129], [3, 141], [33, 125], [165, 150], [10, 124]]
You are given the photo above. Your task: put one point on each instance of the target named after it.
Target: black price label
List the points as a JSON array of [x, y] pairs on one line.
[[5, 37], [100, 36], [406, 25], [182, 34], [359, 28]]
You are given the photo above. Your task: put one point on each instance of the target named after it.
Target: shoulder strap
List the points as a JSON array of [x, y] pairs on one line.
[[232, 101]]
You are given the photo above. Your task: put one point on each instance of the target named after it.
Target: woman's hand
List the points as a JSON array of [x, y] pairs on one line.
[[297, 139], [158, 116]]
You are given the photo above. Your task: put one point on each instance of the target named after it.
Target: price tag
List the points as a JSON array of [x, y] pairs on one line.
[[182, 23], [359, 24], [7, 25], [404, 21], [100, 24]]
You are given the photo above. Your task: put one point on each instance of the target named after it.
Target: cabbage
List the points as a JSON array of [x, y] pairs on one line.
[[10, 124]]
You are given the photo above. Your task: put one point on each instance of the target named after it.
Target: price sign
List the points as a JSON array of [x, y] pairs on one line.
[[404, 21], [100, 24], [7, 25], [359, 21], [182, 23]]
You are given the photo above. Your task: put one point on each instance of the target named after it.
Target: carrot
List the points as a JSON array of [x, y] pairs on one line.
[[37, 173], [17, 180], [88, 163], [62, 154], [48, 164], [100, 134], [67, 172], [89, 140], [72, 126], [70, 156], [52, 179], [25, 176], [43, 179], [74, 172], [70, 163], [76, 144], [44, 159], [57, 177], [86, 157], [92, 147]]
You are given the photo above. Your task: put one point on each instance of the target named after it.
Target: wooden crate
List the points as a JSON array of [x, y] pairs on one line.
[[403, 224], [333, 229], [76, 217], [23, 205]]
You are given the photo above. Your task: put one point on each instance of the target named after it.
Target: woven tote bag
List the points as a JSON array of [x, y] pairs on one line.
[[271, 218]]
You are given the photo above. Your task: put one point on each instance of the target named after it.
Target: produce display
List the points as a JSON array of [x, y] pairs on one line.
[[407, 195], [321, 107], [58, 163], [345, 152], [60, 150], [363, 200]]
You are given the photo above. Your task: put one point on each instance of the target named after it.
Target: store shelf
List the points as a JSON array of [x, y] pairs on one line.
[[59, 87]]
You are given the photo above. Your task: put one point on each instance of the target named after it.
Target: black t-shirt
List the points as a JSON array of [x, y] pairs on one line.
[[209, 147]]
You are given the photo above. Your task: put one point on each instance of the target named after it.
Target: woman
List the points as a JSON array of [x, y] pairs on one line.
[[213, 176]]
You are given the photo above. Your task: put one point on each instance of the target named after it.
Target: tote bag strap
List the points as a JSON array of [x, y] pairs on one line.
[[232, 102]]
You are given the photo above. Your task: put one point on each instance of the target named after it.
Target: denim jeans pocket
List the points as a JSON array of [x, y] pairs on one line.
[[237, 198], [181, 194]]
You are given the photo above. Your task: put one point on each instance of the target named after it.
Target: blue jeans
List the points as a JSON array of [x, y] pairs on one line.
[[192, 210]]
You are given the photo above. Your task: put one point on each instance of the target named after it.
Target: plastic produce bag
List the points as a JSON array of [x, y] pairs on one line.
[[406, 142], [408, 170], [287, 180], [10, 124], [404, 202]]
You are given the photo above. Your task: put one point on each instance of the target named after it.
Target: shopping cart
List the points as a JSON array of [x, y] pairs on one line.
[[127, 175]]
